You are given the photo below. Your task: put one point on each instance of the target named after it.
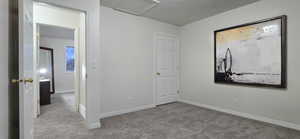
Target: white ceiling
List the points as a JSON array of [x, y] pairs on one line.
[[181, 12], [56, 32]]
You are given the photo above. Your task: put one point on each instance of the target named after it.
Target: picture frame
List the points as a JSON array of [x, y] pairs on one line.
[[252, 54]]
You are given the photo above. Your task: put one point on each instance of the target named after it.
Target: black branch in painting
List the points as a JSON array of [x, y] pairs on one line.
[[227, 64]]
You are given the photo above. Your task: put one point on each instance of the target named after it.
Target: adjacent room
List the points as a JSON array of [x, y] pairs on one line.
[[57, 76], [152, 69], [57, 60], [60, 61]]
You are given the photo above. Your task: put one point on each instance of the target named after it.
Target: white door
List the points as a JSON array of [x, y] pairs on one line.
[[26, 68], [166, 68]]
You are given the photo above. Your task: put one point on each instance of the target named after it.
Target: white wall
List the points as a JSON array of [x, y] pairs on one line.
[[4, 69], [197, 76], [64, 81], [127, 59]]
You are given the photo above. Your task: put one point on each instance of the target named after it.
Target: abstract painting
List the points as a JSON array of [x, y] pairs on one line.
[[252, 54]]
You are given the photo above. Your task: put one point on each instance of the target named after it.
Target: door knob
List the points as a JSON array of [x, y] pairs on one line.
[[28, 80], [157, 73], [16, 81]]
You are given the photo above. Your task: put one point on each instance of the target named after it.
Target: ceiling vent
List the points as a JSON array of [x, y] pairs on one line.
[[136, 7]]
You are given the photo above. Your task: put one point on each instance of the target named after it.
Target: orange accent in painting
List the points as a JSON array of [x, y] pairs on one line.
[[242, 33]]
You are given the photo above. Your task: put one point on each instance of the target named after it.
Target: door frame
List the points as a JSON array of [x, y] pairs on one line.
[[77, 45], [156, 35], [93, 55]]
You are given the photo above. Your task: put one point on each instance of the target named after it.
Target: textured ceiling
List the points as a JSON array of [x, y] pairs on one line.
[[182, 12], [56, 32]]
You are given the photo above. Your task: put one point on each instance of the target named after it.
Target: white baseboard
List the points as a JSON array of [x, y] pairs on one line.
[[94, 125], [115, 113], [64, 91], [246, 115], [82, 110]]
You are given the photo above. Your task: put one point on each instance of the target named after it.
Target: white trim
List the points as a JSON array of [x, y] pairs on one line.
[[82, 110], [154, 70], [246, 115], [166, 34], [76, 72], [120, 112], [64, 91], [94, 125], [36, 76]]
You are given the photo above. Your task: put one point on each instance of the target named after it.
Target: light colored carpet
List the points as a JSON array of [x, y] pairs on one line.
[[172, 121]]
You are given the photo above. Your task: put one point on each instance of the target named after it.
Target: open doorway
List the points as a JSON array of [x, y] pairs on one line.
[[24, 65], [60, 61], [56, 67]]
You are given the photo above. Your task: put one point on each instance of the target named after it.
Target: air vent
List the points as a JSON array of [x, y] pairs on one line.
[[136, 7]]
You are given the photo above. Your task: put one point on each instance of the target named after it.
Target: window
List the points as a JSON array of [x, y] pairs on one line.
[[70, 58]]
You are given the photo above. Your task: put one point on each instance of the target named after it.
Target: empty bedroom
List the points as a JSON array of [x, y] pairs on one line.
[[149, 69]]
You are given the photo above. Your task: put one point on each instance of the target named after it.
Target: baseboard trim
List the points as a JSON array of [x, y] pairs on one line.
[[120, 112], [82, 110], [64, 91], [94, 125], [245, 115]]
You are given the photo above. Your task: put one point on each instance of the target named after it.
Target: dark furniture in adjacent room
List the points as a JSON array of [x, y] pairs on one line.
[[45, 93]]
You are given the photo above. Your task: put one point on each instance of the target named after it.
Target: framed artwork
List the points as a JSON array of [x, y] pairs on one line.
[[252, 53]]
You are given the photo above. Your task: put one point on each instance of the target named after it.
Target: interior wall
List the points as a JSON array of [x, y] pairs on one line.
[[4, 70], [64, 81], [127, 60], [197, 59]]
